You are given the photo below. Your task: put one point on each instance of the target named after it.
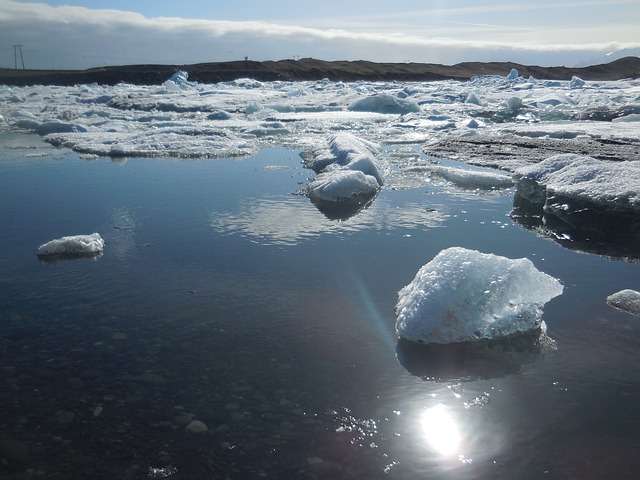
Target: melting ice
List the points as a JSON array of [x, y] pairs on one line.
[[464, 295], [505, 122]]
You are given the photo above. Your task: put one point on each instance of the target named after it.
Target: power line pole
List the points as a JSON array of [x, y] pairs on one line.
[[15, 56]]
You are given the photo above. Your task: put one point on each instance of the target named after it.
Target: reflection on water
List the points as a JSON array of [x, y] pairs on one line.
[[468, 361], [582, 227], [291, 220]]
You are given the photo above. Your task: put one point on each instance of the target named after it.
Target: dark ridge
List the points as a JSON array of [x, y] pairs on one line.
[[312, 69]]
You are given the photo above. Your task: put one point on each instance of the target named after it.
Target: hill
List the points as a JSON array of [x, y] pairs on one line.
[[312, 69]]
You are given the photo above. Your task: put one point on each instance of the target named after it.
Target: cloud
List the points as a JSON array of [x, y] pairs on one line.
[[79, 37]]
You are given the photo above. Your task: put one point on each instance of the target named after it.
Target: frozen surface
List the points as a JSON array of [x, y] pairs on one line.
[[626, 300], [76, 245], [464, 295]]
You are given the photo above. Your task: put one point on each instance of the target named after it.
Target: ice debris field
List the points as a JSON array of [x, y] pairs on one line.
[[569, 147]]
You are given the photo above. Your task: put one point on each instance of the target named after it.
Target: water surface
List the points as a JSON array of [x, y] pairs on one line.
[[224, 297]]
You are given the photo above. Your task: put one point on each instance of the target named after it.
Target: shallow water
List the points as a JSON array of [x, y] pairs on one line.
[[223, 296]]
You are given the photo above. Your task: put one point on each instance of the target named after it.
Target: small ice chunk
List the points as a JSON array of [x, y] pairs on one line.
[[384, 103], [473, 99], [514, 103], [464, 295], [576, 82], [76, 245], [513, 74], [625, 300], [178, 82]]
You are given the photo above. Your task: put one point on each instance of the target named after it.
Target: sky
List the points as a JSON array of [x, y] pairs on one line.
[[71, 34]]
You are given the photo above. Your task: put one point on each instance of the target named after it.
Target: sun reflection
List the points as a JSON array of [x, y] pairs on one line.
[[440, 430]]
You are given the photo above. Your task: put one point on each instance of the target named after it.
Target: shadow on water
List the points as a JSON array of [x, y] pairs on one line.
[[469, 361], [582, 227]]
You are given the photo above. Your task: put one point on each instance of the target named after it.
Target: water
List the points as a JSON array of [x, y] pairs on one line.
[[224, 297]]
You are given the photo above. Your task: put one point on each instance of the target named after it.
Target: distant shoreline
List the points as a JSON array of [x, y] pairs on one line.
[[312, 69]]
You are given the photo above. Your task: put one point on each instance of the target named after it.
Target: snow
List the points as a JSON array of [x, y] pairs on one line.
[[626, 300], [76, 245], [464, 295]]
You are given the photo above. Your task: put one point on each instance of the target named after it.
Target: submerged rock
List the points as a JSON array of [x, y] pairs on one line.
[[464, 295]]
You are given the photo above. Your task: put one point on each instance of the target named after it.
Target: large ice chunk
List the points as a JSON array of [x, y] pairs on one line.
[[76, 245], [347, 169], [615, 185], [464, 295], [581, 197], [338, 185]]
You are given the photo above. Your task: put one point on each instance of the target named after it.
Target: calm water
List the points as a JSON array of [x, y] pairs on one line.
[[223, 297]]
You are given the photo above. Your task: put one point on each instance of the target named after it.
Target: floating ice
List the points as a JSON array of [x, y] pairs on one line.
[[76, 245], [339, 185], [180, 118], [347, 169], [177, 82], [468, 179], [614, 186], [625, 300], [384, 103], [464, 295]]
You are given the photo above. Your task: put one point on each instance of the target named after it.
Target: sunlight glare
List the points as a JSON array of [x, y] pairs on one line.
[[440, 430]]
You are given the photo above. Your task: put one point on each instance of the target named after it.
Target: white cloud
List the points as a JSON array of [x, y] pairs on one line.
[[78, 37]]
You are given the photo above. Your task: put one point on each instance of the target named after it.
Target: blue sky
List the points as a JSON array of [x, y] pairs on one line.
[[84, 34]]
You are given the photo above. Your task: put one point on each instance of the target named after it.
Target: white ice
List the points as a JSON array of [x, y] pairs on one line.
[[626, 300], [73, 245], [464, 295], [613, 185], [347, 168], [180, 118], [467, 179]]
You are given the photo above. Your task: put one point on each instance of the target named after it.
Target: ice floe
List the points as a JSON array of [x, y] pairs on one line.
[[626, 300], [348, 173], [464, 295], [582, 202], [467, 179], [73, 246]]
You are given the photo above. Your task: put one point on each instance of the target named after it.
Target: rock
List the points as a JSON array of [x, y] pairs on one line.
[[149, 377], [66, 417], [184, 419], [196, 426], [13, 450]]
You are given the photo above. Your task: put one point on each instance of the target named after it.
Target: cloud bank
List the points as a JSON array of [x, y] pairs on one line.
[[78, 37]]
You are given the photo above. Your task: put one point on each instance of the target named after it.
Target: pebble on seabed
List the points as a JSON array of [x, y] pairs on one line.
[[196, 426]]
